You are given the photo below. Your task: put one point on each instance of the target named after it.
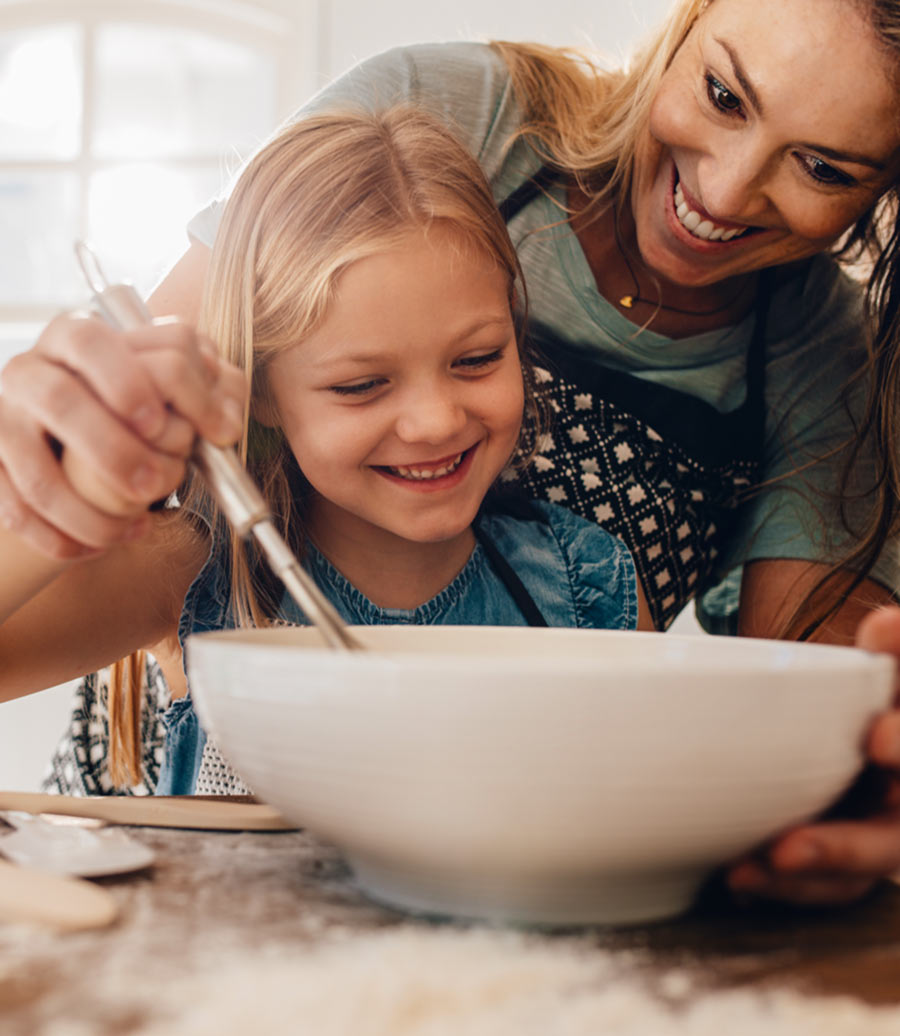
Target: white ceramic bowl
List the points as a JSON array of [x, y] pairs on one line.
[[545, 776]]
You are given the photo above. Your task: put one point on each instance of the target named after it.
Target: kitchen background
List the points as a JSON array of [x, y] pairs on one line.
[[119, 118]]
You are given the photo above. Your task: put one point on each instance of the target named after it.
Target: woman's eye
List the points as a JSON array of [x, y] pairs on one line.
[[721, 97], [824, 173], [477, 362], [361, 388]]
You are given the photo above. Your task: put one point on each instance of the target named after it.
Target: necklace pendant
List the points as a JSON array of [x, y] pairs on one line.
[[626, 301]]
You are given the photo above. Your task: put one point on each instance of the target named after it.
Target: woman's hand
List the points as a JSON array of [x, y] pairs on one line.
[[123, 410], [838, 860]]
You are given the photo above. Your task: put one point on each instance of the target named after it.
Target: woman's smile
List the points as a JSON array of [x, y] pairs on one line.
[[700, 224]]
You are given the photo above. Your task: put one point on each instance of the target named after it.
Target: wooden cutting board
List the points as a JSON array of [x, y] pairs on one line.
[[209, 813]]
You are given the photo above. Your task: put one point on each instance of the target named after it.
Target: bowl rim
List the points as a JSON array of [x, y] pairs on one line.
[[803, 657]]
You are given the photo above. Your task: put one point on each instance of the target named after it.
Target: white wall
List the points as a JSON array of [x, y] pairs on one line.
[[347, 31], [351, 30]]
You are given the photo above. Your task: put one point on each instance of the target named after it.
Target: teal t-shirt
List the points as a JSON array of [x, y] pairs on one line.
[[815, 333]]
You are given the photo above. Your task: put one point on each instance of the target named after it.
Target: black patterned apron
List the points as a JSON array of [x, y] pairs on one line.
[[661, 469]]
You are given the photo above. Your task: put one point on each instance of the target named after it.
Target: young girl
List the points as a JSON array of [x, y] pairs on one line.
[[364, 281]]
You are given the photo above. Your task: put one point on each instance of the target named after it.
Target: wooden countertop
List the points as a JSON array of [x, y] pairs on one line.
[[217, 906]]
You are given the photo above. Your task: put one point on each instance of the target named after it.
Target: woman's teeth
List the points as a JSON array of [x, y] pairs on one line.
[[426, 473], [697, 225]]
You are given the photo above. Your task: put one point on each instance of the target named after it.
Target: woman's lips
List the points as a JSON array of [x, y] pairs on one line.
[[697, 222], [696, 227]]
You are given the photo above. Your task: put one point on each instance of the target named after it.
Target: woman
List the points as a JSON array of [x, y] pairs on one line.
[[674, 224]]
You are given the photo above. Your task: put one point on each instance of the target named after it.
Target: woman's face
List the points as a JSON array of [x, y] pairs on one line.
[[775, 127]]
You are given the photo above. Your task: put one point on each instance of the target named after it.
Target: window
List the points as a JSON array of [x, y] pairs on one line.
[[118, 120]]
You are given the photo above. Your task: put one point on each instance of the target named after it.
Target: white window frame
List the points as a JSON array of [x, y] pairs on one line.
[[289, 30]]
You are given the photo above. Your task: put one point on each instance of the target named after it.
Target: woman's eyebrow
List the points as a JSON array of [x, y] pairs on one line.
[[740, 75]]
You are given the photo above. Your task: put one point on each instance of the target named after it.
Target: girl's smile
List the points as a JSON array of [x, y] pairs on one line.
[[428, 477]]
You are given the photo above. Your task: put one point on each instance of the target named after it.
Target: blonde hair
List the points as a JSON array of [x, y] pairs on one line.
[[326, 192], [587, 120]]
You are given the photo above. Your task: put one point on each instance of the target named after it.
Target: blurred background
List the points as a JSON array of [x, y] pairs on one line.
[[120, 118]]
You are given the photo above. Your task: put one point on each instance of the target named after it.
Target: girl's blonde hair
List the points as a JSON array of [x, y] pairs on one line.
[[326, 192], [589, 122]]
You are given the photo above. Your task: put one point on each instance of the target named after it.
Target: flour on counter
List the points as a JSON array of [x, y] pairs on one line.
[[415, 981]]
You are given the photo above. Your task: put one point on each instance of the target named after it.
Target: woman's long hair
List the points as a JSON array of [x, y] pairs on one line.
[[589, 122]]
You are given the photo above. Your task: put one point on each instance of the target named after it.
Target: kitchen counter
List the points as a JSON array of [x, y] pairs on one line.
[[230, 930]]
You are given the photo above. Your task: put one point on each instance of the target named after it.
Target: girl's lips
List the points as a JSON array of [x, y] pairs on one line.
[[433, 483]]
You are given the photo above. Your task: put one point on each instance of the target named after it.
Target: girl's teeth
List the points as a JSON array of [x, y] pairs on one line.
[[427, 473], [697, 225]]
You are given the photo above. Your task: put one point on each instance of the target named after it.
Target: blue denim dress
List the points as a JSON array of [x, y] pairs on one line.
[[576, 573]]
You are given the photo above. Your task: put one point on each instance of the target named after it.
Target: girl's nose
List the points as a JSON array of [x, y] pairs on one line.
[[433, 416]]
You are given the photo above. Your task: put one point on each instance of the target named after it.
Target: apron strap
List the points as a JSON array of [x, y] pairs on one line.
[[524, 601]]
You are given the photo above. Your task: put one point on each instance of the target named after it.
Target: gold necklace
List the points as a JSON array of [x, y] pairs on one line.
[[630, 300]]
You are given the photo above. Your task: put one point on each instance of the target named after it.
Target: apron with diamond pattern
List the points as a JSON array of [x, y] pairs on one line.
[[661, 469]]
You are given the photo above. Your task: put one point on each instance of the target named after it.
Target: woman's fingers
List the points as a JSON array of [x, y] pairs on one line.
[[752, 878], [193, 379], [180, 371], [53, 398], [42, 508], [832, 862], [123, 410], [835, 862], [880, 631], [99, 357], [883, 746], [865, 848]]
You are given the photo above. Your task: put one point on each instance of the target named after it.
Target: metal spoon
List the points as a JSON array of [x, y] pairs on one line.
[[242, 503]]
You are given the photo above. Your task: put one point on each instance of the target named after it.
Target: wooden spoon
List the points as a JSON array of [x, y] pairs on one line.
[[64, 904], [183, 811]]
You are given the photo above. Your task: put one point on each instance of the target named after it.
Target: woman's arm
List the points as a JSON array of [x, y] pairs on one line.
[[92, 612], [771, 591]]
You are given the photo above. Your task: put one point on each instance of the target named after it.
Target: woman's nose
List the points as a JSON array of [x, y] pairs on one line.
[[733, 185], [433, 416]]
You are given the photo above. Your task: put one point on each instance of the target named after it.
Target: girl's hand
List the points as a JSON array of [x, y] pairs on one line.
[[122, 409], [839, 860]]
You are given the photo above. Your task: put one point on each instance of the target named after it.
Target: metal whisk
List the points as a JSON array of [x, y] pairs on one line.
[[240, 500]]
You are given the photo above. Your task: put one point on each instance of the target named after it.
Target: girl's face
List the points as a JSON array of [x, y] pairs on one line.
[[773, 130], [405, 404]]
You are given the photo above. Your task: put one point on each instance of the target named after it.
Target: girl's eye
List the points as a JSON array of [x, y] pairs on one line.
[[824, 173], [361, 388], [721, 97], [477, 362]]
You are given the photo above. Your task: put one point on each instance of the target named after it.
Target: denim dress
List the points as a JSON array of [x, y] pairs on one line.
[[575, 573]]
